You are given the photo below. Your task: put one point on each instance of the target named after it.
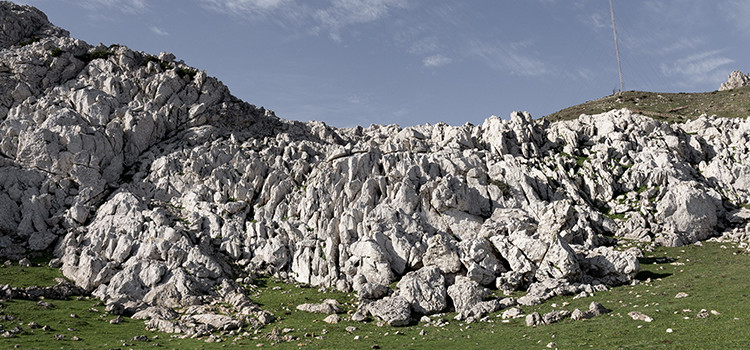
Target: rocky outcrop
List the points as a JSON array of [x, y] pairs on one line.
[[736, 79], [156, 187]]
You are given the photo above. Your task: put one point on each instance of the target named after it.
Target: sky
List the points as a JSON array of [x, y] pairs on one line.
[[410, 62]]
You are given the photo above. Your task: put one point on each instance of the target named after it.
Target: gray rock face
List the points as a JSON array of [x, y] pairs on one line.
[[424, 289], [394, 310], [24, 24], [150, 181], [465, 294]]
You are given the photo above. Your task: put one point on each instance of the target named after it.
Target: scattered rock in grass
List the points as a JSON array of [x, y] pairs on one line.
[[59, 336], [44, 305], [577, 315], [513, 312], [7, 263], [639, 316], [25, 262], [332, 318], [551, 345], [74, 316], [703, 314], [328, 306], [715, 313], [46, 328], [33, 325], [681, 295], [116, 320], [140, 338], [264, 317], [670, 330], [596, 309], [351, 329], [554, 316], [533, 319], [75, 338]]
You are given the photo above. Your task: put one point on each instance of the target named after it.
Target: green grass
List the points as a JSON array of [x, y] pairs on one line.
[[669, 107], [714, 278], [39, 274]]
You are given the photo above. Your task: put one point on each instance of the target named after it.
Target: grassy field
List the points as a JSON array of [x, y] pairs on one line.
[[671, 107], [715, 277]]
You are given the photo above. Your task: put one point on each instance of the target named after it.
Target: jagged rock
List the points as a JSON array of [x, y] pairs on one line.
[[689, 214], [424, 289], [736, 79], [465, 294], [153, 184], [159, 312], [394, 310], [373, 291], [218, 322], [328, 306], [534, 319]]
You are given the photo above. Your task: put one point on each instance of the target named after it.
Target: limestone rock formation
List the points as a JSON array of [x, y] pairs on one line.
[[736, 79], [155, 186]]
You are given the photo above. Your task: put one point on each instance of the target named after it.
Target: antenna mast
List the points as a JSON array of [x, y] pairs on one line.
[[617, 46]]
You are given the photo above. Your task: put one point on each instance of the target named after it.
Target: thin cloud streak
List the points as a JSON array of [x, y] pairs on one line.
[[700, 68], [343, 13], [435, 61], [510, 58], [127, 6], [158, 31]]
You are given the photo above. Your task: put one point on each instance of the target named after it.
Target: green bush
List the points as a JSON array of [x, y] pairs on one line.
[[90, 56], [56, 52]]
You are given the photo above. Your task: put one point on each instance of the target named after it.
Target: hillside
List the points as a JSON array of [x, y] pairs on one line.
[[154, 189], [669, 107]]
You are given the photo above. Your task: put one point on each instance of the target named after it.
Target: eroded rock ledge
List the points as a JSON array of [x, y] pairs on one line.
[[156, 187]]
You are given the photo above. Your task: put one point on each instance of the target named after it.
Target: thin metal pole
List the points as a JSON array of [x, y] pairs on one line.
[[617, 46]]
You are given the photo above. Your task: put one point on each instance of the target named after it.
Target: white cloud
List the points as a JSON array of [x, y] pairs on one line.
[[245, 7], [158, 31], [436, 61], [700, 68], [129, 6], [512, 58], [343, 13]]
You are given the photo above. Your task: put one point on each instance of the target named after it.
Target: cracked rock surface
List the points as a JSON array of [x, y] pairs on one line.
[[156, 187]]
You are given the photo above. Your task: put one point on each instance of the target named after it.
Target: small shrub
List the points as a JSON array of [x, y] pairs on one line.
[[29, 41], [190, 72], [90, 56], [56, 52]]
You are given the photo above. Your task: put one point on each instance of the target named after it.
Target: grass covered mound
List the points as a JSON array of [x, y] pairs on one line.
[[675, 285], [669, 107]]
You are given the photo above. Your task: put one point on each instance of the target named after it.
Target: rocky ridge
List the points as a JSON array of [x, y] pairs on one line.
[[736, 79], [156, 187]]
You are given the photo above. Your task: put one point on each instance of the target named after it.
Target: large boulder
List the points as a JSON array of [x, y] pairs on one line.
[[424, 289], [394, 310]]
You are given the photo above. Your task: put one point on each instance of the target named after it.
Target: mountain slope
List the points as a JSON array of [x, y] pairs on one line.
[[156, 187], [669, 107]]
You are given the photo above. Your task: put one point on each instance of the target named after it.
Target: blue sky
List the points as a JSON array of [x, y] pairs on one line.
[[357, 62]]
